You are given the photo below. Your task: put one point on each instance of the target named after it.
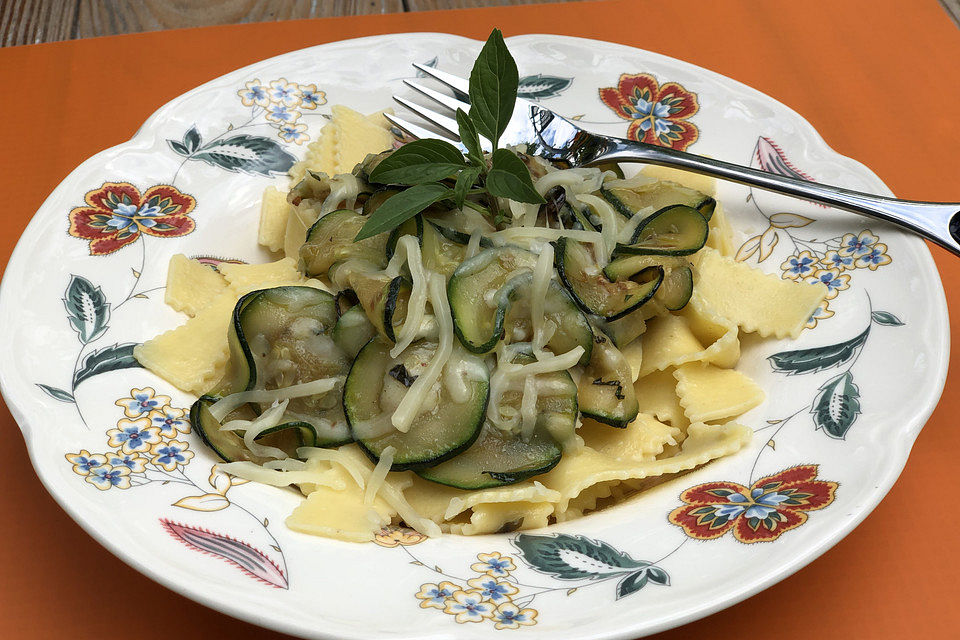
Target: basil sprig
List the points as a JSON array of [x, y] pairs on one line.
[[422, 164]]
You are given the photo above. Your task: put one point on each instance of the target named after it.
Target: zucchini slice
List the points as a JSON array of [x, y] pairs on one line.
[[611, 166], [412, 227], [677, 230], [279, 338], [593, 291], [489, 298], [376, 200], [383, 299], [229, 446], [677, 287], [331, 240], [501, 457], [606, 390], [497, 459], [656, 196], [628, 328], [368, 164], [444, 427], [352, 331]]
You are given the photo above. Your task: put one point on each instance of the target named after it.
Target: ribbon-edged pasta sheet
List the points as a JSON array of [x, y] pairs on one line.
[[191, 285], [709, 393], [657, 396], [757, 302]]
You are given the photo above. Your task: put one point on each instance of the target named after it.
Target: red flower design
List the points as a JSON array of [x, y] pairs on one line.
[[760, 513], [116, 214], [658, 114]]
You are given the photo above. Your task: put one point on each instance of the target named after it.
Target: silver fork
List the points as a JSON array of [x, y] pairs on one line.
[[552, 137]]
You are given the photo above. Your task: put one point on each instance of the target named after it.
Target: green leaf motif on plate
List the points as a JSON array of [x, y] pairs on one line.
[[886, 318], [246, 154], [117, 356], [638, 580], [837, 406], [87, 309], [57, 394], [804, 361], [573, 557], [541, 87]]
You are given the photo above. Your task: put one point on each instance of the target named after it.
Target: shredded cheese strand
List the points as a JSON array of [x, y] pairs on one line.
[[542, 275], [379, 474], [416, 307], [344, 189], [267, 420], [609, 218], [222, 407], [409, 406]]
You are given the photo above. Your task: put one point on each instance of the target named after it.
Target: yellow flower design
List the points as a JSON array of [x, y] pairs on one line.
[[106, 476], [491, 589], [254, 93], [142, 401], [493, 564], [435, 595], [85, 462], [133, 435], [468, 606], [875, 258], [391, 536], [510, 616], [822, 313], [799, 266], [171, 455]]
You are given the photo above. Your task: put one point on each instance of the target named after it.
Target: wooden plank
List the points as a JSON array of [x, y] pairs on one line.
[[433, 5], [35, 21], [111, 17], [952, 7]]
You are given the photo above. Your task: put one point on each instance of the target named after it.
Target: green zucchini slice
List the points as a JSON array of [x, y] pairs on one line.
[[501, 457], [611, 166], [490, 297], [677, 287], [279, 338], [383, 299], [593, 291], [656, 196], [444, 428], [497, 459], [331, 240], [229, 445], [677, 230], [368, 164], [412, 227], [352, 331], [606, 390], [628, 328]]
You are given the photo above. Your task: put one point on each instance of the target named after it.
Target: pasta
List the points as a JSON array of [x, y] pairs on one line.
[[652, 379]]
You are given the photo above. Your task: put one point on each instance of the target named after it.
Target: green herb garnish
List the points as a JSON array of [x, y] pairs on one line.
[[422, 164]]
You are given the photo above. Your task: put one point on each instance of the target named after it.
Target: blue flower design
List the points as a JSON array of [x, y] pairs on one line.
[[832, 280], [85, 462], [799, 266], [126, 215], [857, 245], [282, 114], [491, 589], [254, 93], [435, 595], [132, 436], [510, 616], [310, 97], [493, 564], [170, 421], [142, 401], [836, 260], [171, 455], [134, 462], [105, 477]]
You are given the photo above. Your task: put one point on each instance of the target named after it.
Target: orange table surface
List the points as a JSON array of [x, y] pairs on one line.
[[879, 80]]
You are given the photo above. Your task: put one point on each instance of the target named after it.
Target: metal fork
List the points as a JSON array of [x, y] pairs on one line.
[[552, 137]]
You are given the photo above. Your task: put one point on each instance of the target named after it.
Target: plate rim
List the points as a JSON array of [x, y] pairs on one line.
[[845, 525]]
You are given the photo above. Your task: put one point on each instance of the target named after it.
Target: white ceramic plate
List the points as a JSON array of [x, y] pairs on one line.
[[842, 433]]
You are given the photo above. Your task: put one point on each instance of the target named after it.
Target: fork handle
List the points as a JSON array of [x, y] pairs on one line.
[[938, 222]]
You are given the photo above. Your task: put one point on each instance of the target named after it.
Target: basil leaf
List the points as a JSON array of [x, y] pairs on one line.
[[466, 179], [493, 88], [509, 178], [419, 162], [470, 139], [403, 206]]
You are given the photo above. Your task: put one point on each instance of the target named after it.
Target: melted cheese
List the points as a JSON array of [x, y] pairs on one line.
[[221, 408], [409, 249], [378, 475]]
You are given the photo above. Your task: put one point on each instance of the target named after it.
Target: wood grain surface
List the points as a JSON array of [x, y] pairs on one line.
[[35, 21]]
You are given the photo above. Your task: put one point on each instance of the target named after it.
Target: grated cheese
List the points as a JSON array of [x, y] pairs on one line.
[[609, 218], [379, 475], [409, 406], [267, 420], [542, 275], [344, 189], [409, 249], [222, 407]]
